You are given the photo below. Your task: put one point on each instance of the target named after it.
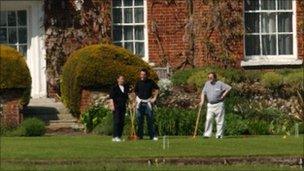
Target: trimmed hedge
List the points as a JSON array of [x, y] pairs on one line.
[[14, 73], [285, 81], [97, 66]]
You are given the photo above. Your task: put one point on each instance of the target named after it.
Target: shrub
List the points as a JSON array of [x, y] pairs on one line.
[[235, 125], [258, 127], [165, 86], [175, 121], [272, 80], [180, 77], [32, 127], [294, 80], [94, 116], [14, 73], [97, 66], [252, 76], [199, 78], [105, 127]]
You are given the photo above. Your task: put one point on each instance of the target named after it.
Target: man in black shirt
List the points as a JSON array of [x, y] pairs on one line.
[[118, 100], [144, 89]]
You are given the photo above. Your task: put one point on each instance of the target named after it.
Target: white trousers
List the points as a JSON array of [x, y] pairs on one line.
[[218, 111]]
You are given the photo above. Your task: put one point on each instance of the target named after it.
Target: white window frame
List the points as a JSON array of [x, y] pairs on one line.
[[17, 27], [144, 24], [256, 60]]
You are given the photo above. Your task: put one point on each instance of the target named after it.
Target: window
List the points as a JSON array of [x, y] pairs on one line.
[[13, 29], [129, 25], [269, 28]]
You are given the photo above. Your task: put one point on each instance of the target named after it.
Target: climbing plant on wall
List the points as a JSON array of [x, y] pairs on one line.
[[225, 19], [68, 28], [218, 27]]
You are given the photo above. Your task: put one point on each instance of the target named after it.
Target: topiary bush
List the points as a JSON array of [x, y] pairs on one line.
[[97, 66], [14, 73]]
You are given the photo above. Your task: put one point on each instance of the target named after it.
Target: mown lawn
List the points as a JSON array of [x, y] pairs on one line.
[[140, 167], [100, 148]]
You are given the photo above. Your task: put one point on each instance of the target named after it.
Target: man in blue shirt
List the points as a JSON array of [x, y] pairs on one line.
[[216, 92]]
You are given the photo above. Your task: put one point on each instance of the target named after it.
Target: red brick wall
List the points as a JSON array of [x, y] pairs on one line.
[[10, 105], [170, 20], [86, 100], [90, 97], [300, 28]]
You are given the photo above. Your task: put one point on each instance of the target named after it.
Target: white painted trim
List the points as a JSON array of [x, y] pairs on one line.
[[146, 57], [36, 50], [274, 59], [145, 24], [271, 62]]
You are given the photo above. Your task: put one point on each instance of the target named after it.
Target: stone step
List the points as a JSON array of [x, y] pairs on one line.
[[56, 116], [63, 121], [70, 127]]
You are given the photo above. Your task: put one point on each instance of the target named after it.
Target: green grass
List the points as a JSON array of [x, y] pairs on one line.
[[99, 153], [111, 166], [97, 147]]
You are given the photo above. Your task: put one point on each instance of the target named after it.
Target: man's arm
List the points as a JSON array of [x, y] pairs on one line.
[[111, 102], [202, 99], [155, 92], [226, 88], [155, 95]]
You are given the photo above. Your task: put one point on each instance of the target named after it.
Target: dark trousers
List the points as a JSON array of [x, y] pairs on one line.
[[118, 121], [144, 109]]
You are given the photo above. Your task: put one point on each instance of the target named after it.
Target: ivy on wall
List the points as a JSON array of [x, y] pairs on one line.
[[221, 17], [225, 18], [68, 29]]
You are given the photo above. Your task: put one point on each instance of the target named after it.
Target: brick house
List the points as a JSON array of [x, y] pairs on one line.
[[154, 29]]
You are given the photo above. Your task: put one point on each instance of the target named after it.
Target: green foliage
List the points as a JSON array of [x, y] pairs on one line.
[[285, 81], [95, 116], [14, 73], [180, 77], [272, 80], [199, 78], [235, 125], [174, 121], [294, 81], [97, 66], [32, 127], [258, 127]]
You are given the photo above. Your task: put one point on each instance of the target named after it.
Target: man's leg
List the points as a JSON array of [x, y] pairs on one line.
[[220, 119], [208, 123], [140, 122], [150, 121], [121, 121], [115, 123]]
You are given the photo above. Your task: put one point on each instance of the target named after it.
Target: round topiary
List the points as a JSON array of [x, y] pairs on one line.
[[97, 66], [14, 73]]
